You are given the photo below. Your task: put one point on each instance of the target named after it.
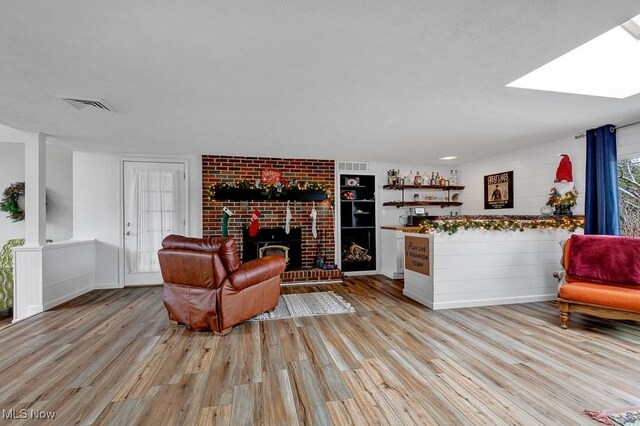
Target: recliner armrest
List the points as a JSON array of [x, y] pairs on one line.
[[257, 271]]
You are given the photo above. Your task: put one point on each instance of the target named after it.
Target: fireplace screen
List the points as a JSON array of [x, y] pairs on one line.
[[274, 241], [267, 250]]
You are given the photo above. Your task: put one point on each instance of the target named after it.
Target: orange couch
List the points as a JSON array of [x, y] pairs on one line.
[[588, 292]]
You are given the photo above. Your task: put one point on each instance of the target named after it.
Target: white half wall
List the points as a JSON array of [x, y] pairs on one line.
[[51, 275], [59, 190], [97, 206]]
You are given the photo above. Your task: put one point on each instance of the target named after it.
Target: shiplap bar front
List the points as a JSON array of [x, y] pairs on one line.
[[481, 267]]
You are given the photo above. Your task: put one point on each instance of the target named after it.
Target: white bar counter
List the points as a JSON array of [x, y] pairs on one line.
[[478, 267]]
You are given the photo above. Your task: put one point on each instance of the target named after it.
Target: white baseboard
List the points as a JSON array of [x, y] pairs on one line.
[[66, 298], [418, 298], [479, 302], [35, 310], [359, 273], [495, 301], [106, 286]]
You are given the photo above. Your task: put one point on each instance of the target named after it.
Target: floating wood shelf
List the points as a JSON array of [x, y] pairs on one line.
[[442, 204], [444, 188]]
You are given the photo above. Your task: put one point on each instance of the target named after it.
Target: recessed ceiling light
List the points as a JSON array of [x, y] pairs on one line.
[[448, 158], [581, 72]]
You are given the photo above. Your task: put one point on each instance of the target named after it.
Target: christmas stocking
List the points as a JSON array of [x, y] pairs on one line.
[[226, 214], [288, 217], [254, 223], [313, 215]]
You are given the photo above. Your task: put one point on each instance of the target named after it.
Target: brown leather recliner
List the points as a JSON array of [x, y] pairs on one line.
[[207, 288]]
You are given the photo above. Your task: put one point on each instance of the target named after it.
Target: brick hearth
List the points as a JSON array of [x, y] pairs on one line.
[[311, 274]]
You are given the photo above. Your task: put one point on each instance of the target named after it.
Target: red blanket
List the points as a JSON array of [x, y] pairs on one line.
[[605, 258]]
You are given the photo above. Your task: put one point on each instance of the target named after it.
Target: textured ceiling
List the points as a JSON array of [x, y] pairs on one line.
[[355, 80]]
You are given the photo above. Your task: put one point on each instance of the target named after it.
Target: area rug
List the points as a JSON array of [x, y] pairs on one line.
[[627, 416], [307, 305]]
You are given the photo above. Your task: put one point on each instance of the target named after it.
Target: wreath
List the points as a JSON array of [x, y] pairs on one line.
[[9, 201]]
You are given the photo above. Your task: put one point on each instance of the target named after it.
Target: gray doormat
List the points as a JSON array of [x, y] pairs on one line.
[[307, 305]]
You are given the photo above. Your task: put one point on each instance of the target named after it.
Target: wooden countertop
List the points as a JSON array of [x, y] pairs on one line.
[[401, 228]]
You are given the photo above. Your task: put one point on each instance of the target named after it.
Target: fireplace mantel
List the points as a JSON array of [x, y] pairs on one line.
[[245, 194]]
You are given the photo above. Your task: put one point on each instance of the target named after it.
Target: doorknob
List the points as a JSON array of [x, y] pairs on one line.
[[128, 233]]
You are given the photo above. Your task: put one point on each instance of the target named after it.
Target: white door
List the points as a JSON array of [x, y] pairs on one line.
[[154, 207]]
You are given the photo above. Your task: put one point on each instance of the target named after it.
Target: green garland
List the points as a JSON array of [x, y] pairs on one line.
[[271, 190], [451, 226], [9, 201]]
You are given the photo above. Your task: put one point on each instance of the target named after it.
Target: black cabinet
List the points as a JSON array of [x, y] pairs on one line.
[[357, 223]]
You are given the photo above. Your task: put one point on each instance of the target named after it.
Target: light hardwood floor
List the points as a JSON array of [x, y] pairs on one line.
[[111, 357]]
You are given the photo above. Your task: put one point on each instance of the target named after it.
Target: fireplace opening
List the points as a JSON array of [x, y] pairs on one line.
[[277, 250], [274, 241]]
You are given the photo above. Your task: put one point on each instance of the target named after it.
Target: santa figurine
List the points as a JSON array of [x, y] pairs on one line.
[[564, 175]]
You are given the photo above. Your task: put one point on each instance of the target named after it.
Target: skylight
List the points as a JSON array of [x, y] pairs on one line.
[[607, 66]]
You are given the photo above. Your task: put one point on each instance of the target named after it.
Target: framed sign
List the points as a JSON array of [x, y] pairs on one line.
[[416, 254], [498, 191], [270, 176]]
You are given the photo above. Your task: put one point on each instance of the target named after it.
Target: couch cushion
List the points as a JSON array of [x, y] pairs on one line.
[[611, 295], [604, 258]]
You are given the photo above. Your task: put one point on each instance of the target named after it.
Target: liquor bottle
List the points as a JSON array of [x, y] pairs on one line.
[[457, 176], [452, 177], [408, 180], [433, 179], [437, 179], [417, 181]]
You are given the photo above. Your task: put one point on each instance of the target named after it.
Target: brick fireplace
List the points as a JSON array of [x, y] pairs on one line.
[[227, 169]]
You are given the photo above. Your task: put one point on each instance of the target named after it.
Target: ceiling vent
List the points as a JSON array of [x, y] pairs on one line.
[[87, 103], [346, 166]]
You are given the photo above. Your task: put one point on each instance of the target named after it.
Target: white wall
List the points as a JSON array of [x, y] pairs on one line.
[[391, 215], [59, 190], [96, 195], [59, 193], [97, 204], [11, 170], [534, 170]]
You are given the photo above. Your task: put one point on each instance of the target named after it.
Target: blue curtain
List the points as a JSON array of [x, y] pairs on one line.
[[602, 214]]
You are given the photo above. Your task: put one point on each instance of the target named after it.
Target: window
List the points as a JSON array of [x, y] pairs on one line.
[[629, 190], [579, 71]]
